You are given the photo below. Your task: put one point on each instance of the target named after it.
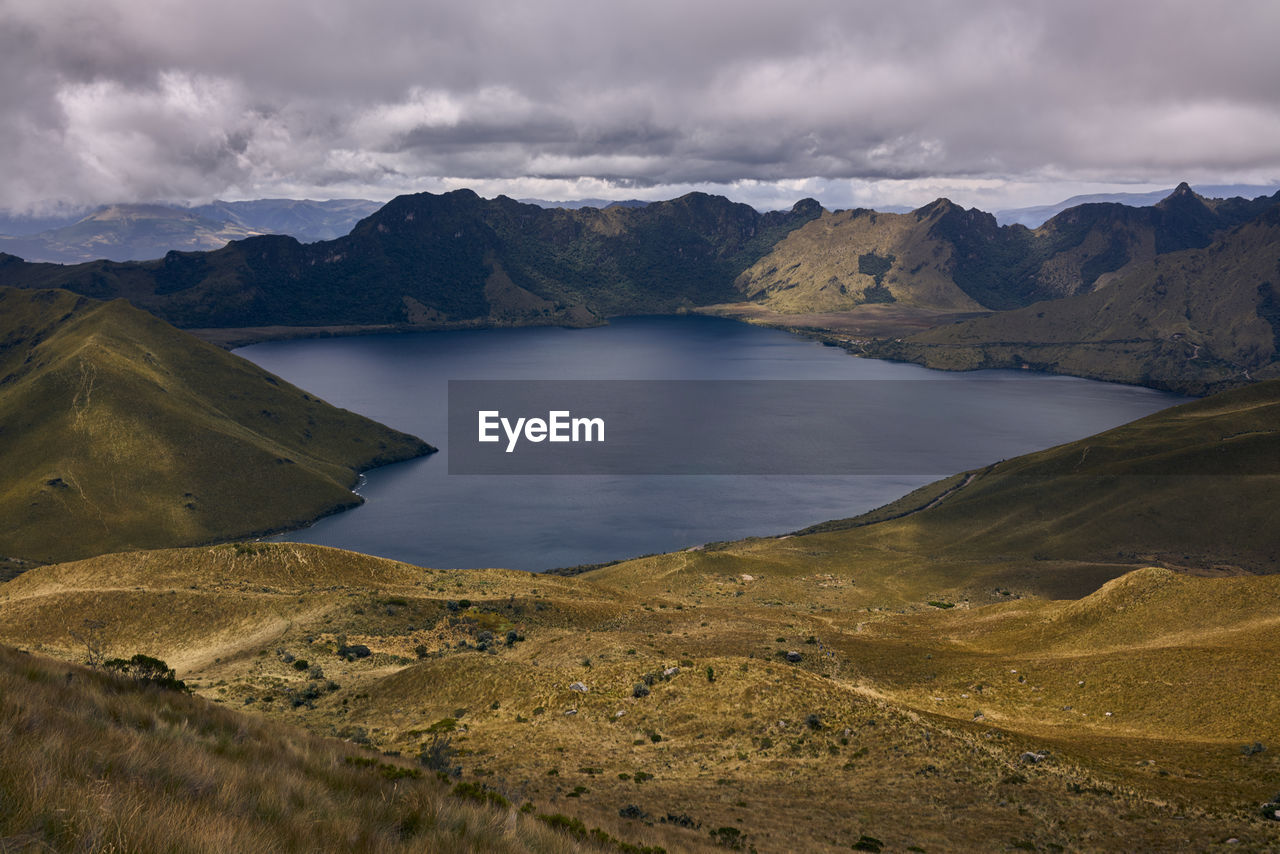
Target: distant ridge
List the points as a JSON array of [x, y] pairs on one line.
[[138, 232], [1192, 321], [1037, 215]]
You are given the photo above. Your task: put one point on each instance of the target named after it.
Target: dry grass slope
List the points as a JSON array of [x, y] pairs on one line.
[[872, 732], [95, 762]]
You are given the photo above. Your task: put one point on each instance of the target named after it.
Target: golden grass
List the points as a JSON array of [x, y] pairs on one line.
[[93, 762], [893, 750]]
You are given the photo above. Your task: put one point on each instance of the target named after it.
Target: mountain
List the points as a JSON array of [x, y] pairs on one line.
[[140, 232], [844, 259], [1037, 215], [944, 257], [306, 220], [122, 432], [124, 233], [1189, 321], [450, 260]]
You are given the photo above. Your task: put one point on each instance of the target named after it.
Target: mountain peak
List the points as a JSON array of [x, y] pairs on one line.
[[937, 207], [807, 207], [1181, 195]]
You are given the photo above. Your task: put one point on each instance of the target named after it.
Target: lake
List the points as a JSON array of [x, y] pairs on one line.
[[420, 513]]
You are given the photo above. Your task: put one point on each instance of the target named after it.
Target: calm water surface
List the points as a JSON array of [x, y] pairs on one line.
[[417, 512]]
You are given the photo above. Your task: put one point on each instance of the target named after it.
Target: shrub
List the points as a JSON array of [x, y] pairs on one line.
[[559, 821], [144, 668], [481, 793], [729, 837], [438, 755]]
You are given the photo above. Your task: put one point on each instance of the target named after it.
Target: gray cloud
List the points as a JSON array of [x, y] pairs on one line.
[[992, 102]]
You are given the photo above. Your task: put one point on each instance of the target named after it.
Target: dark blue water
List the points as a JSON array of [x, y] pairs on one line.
[[419, 513]]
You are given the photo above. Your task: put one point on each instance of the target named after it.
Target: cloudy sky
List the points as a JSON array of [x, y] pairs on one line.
[[993, 104]]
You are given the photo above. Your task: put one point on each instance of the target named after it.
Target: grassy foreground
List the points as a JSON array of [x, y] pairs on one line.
[[1127, 719]]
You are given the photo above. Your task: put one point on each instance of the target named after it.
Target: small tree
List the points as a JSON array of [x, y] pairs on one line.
[[90, 635]]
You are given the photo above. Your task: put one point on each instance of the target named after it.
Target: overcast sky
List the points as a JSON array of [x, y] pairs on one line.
[[993, 104]]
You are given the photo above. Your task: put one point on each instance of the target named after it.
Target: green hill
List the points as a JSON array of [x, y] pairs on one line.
[[1188, 321], [122, 432]]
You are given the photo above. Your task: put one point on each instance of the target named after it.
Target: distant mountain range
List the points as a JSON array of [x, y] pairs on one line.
[[451, 260], [1036, 215], [140, 232]]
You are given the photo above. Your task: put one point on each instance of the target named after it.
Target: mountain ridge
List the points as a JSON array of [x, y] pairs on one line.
[[1191, 321]]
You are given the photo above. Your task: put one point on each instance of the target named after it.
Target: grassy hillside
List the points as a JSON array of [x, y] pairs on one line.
[[1188, 321], [122, 432], [850, 258], [667, 712], [97, 762]]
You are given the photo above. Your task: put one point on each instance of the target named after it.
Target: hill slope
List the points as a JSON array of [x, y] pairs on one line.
[[95, 762], [120, 431], [1187, 321]]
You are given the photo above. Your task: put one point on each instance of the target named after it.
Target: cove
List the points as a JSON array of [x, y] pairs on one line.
[[419, 513]]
